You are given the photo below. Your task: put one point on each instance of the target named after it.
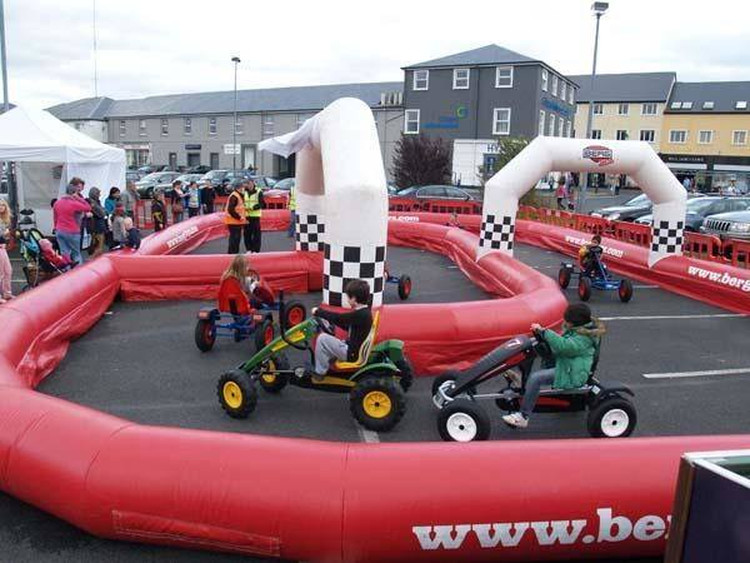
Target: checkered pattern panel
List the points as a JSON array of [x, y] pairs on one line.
[[345, 263], [497, 233], [666, 237], [309, 233]]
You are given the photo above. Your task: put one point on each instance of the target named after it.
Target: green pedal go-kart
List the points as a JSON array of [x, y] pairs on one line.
[[376, 381]]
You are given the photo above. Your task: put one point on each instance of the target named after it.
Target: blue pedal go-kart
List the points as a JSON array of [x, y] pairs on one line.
[[593, 274], [236, 317], [403, 282]]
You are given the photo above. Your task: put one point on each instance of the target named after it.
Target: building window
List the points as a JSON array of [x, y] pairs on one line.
[[411, 122], [268, 126], [598, 109], [678, 137], [421, 80], [705, 137], [568, 129], [541, 122], [596, 133], [740, 105], [555, 81], [708, 105], [676, 105], [545, 80], [212, 127], [504, 77], [648, 135], [164, 127], [122, 127], [622, 135], [563, 90], [501, 121], [238, 126], [739, 137], [623, 109], [560, 127], [551, 125], [571, 94], [461, 78], [648, 109], [687, 105], [142, 127], [187, 126]]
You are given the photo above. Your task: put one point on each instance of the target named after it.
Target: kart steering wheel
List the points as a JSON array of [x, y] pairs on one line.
[[542, 347], [325, 326]]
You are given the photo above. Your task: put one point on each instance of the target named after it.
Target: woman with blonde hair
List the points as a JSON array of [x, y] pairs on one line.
[[258, 292], [6, 271]]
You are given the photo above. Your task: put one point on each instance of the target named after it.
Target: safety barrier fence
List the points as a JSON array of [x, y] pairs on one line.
[[435, 206]]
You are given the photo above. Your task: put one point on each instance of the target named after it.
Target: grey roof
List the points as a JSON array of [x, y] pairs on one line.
[[724, 95], [630, 87], [87, 108], [306, 98], [487, 55]]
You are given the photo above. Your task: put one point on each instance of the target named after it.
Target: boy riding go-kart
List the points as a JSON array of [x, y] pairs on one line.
[[574, 386], [375, 376]]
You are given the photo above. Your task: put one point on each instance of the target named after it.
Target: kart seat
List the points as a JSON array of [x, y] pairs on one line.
[[364, 350], [233, 299]]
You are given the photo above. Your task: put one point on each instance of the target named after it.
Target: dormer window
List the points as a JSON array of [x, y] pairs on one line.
[[708, 105], [687, 105], [741, 105], [676, 105], [461, 78], [545, 80], [421, 80]]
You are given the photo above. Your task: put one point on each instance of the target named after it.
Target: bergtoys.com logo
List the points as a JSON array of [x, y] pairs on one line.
[[601, 155]]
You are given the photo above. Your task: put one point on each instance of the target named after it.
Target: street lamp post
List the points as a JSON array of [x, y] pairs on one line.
[[236, 61], [599, 8]]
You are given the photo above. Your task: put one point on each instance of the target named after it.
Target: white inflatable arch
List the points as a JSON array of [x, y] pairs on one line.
[[342, 199], [546, 154]]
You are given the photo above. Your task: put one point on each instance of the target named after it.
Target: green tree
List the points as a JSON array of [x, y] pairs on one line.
[[508, 149], [419, 160]]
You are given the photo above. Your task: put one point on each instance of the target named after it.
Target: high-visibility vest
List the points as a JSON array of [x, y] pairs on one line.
[[292, 205], [251, 200], [239, 209]]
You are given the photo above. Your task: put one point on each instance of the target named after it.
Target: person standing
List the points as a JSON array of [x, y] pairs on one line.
[[292, 205], [561, 193], [208, 197], [6, 270], [686, 183], [97, 223], [130, 199], [158, 211], [234, 216], [193, 199], [112, 200], [69, 211], [253, 209], [178, 201]]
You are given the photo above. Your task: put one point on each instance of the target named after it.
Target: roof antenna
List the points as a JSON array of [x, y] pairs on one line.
[[96, 77]]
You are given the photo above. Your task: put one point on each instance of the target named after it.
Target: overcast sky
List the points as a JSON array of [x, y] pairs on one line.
[[151, 47]]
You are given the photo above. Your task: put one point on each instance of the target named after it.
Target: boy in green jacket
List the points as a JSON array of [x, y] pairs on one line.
[[574, 353]]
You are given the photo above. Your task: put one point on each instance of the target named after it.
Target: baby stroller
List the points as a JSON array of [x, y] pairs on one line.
[[41, 261]]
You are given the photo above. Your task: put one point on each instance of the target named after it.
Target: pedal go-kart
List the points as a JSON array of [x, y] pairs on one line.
[[462, 419], [376, 381], [235, 317], [597, 276], [403, 282]]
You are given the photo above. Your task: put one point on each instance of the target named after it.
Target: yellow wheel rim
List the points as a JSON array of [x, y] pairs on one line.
[[377, 404], [232, 395], [269, 377]]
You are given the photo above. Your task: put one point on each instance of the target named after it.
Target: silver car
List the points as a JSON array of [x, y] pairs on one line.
[[734, 225]]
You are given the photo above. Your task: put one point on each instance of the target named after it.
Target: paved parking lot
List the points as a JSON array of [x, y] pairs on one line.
[[686, 361]]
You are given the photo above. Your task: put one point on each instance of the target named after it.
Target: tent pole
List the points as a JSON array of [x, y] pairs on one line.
[[6, 105]]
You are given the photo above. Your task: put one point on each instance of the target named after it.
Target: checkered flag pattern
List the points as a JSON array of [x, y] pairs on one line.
[[666, 237], [345, 263], [497, 233], [309, 233]]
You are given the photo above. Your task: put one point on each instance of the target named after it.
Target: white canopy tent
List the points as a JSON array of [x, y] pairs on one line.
[[47, 153]]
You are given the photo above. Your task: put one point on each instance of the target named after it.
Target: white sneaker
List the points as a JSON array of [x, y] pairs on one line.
[[516, 419], [514, 377]]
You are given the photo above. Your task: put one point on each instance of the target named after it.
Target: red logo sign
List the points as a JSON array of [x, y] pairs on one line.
[[599, 154]]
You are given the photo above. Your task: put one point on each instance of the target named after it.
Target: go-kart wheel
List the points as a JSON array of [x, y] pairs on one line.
[[449, 375], [625, 291], [404, 287], [237, 394], [463, 421], [563, 277], [294, 313], [205, 335], [407, 373], [377, 403], [584, 288], [612, 418], [274, 382], [264, 334]]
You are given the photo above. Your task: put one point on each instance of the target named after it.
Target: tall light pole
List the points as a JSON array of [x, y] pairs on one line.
[[6, 106], [599, 8], [236, 61]]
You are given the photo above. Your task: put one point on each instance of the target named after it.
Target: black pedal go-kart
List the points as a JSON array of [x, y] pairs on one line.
[[593, 274], [611, 414]]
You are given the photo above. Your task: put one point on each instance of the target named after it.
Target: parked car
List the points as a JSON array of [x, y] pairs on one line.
[[146, 185], [151, 168], [166, 187], [200, 169], [133, 176], [439, 192], [221, 179], [731, 225], [700, 208], [632, 209]]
